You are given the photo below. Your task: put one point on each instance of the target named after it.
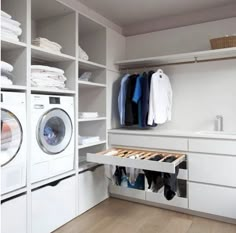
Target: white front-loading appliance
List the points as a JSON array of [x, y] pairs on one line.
[[52, 128], [13, 141]]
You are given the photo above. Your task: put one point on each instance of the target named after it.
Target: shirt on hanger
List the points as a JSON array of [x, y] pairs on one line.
[[160, 99], [122, 98]]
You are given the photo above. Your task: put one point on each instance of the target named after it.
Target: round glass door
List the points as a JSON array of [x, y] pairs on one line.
[[11, 136], [54, 131]]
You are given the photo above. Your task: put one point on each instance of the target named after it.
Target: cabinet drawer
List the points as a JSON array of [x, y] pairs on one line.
[[212, 169], [152, 142], [13, 217], [212, 146], [122, 159], [211, 199], [93, 187], [53, 205]]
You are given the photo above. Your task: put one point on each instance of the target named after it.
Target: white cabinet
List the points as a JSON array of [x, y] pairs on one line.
[[214, 200], [53, 205], [93, 188], [13, 215], [212, 169]]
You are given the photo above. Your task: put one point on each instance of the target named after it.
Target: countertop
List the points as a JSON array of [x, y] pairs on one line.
[[176, 133]]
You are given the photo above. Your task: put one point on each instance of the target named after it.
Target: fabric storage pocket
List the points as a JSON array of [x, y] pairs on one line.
[[53, 205], [13, 210]]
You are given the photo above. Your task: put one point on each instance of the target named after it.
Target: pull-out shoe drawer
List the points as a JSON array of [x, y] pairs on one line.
[[124, 157]]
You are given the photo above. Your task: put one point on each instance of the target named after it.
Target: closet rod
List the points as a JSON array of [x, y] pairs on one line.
[[175, 63]]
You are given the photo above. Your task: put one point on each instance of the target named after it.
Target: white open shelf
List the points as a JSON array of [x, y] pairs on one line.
[[89, 65], [92, 119], [87, 84], [208, 55], [47, 55], [9, 45], [92, 144], [13, 88], [51, 91]]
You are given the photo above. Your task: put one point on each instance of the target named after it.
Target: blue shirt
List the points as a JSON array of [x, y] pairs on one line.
[[122, 98]]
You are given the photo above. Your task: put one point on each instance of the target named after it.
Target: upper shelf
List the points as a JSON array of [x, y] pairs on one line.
[[8, 45], [209, 55], [88, 65]]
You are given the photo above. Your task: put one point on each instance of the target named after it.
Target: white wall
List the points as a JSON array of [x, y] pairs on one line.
[[201, 91], [178, 40]]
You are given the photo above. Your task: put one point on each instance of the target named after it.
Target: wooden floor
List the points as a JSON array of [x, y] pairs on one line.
[[117, 216]]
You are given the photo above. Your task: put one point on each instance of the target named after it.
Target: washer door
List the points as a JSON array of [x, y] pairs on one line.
[[54, 131], [11, 136]]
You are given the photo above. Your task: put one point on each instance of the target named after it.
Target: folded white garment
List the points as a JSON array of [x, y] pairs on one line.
[[4, 14], [88, 114], [47, 44], [8, 35], [84, 140], [10, 21], [6, 66], [12, 28], [83, 55], [38, 83], [85, 76], [42, 69], [53, 76], [5, 81]]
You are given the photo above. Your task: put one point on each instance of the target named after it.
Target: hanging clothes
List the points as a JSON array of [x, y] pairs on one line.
[[160, 99]]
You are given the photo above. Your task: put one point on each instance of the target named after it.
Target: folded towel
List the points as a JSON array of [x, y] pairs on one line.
[[11, 27], [6, 66], [8, 36], [43, 41], [4, 14], [59, 77], [83, 55], [10, 21], [88, 114], [6, 81], [7, 74], [43, 69]]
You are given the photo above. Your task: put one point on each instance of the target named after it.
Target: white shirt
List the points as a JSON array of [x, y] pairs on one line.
[[160, 99]]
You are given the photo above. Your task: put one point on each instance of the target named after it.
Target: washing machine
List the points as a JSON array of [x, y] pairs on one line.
[[52, 130], [13, 141]]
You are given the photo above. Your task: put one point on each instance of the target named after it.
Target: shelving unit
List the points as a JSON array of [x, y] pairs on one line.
[[92, 144], [13, 88], [51, 91], [86, 84], [88, 65], [10, 45], [92, 119]]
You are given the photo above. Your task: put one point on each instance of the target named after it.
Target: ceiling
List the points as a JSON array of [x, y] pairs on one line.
[[132, 12]]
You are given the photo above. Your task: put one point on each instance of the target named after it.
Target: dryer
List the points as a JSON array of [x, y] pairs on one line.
[[13, 141], [52, 145]]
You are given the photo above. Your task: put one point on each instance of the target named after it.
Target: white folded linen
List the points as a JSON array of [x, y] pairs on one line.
[[6, 66], [84, 140], [47, 44], [83, 55], [8, 35], [53, 76], [88, 114], [5, 81], [10, 21], [47, 83], [43, 69], [11, 27], [4, 14]]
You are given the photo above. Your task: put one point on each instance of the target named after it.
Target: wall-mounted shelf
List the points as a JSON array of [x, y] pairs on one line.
[[51, 91], [9, 45], [88, 65], [46, 55], [92, 119], [13, 88], [92, 144], [85, 84], [201, 56]]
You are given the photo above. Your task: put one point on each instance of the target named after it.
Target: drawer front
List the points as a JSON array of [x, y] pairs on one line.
[[212, 169], [152, 142], [93, 187], [127, 192], [147, 164], [13, 217], [53, 206], [227, 147], [214, 200], [160, 199]]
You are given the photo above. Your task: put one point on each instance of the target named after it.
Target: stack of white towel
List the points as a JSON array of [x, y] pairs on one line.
[[47, 44], [6, 74], [10, 29], [46, 76], [86, 115], [83, 55]]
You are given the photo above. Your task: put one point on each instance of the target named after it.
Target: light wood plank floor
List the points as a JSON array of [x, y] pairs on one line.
[[118, 216]]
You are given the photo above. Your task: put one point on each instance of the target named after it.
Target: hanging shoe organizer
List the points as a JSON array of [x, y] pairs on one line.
[[121, 157]]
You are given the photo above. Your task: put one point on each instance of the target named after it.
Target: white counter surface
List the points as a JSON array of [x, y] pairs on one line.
[[176, 133]]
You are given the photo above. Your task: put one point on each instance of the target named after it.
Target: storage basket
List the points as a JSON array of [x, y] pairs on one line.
[[223, 42]]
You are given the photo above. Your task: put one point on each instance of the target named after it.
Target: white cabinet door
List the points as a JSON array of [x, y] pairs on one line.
[[212, 169], [211, 199], [13, 215], [53, 205], [93, 188]]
